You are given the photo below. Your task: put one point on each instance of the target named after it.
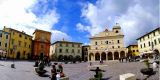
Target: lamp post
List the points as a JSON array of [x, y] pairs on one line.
[[13, 50], [12, 65]]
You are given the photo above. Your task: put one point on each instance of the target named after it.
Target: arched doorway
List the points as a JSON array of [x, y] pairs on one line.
[[116, 55], [97, 56], [91, 57], [103, 56], [122, 54], [78, 58], [18, 55], [110, 56], [65, 58], [70, 58], [60, 58], [28, 56], [41, 56]]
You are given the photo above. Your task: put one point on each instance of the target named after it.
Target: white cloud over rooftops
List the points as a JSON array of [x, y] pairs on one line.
[[136, 17], [18, 14]]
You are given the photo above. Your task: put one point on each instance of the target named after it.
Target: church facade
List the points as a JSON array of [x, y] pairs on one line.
[[107, 45], [41, 44]]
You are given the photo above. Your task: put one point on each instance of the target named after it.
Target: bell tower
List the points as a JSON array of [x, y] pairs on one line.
[[117, 29]]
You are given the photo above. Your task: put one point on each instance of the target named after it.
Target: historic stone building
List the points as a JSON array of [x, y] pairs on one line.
[[85, 50], [4, 43], [41, 44], [107, 45], [149, 42], [66, 51], [20, 44]]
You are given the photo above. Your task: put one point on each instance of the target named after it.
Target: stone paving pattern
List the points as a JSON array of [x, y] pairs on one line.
[[80, 71]]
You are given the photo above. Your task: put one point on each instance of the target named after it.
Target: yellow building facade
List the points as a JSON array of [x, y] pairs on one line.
[[107, 45], [133, 49], [20, 44], [4, 43], [149, 42]]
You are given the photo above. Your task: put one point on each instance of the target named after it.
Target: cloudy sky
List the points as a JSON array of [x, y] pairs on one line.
[[77, 20]]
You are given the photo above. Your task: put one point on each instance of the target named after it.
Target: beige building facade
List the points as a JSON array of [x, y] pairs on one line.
[[149, 42], [107, 45], [66, 51]]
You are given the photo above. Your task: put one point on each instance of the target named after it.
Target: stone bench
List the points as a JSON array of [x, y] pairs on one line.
[[64, 78], [128, 76]]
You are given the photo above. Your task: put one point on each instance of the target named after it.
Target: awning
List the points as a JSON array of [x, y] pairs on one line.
[[148, 52]]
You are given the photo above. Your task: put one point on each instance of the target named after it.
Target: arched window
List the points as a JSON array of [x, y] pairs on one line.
[[95, 43], [117, 31], [106, 42], [118, 41]]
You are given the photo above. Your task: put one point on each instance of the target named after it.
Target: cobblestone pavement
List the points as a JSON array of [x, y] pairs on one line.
[[80, 71]]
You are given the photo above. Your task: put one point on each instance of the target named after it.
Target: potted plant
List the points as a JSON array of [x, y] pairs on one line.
[[98, 75], [40, 70], [147, 70]]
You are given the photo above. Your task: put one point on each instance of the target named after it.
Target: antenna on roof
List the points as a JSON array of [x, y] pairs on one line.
[[117, 24]]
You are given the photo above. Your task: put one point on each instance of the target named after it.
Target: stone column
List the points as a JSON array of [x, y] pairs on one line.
[[88, 56], [113, 55], [100, 56], [106, 56], [94, 57], [119, 53]]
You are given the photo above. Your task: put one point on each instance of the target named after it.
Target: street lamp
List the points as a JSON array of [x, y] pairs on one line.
[[13, 50], [12, 65]]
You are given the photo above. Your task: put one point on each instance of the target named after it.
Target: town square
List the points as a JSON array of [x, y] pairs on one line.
[[79, 40], [79, 71]]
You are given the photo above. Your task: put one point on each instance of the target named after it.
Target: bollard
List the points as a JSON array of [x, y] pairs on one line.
[[12, 66]]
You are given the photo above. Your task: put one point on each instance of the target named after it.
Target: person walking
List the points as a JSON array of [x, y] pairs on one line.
[[119, 59], [90, 63], [53, 72], [122, 59]]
